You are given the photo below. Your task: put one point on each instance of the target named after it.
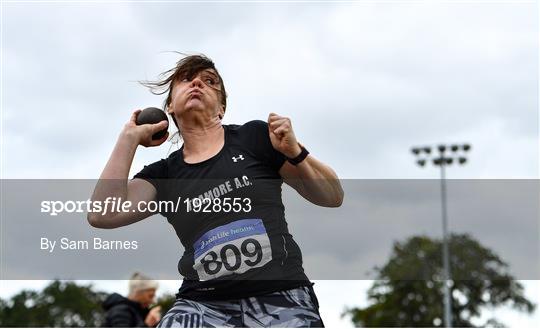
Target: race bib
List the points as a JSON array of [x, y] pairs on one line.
[[233, 248]]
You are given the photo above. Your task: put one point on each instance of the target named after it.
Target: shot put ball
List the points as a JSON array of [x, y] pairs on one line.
[[153, 115]]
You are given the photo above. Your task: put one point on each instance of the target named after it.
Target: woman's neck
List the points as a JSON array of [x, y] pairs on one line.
[[203, 140]]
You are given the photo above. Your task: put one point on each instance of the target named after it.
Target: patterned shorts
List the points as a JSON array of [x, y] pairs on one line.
[[293, 308]]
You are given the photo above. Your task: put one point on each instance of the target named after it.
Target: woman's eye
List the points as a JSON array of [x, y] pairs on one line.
[[210, 81]]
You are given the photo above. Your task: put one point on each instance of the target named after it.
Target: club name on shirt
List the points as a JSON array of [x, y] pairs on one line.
[[218, 191]]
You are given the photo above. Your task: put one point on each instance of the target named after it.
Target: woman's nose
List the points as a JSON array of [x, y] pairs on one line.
[[197, 82]]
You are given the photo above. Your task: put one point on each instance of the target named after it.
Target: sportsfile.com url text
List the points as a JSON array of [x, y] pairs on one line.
[[109, 205], [117, 205]]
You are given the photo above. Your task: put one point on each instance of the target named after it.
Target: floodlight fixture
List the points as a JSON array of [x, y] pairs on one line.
[[442, 161]]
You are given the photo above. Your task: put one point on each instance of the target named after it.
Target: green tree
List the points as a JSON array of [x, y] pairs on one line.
[[166, 301], [408, 291], [60, 304]]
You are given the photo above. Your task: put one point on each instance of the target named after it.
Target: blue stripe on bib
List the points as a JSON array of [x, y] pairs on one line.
[[228, 232]]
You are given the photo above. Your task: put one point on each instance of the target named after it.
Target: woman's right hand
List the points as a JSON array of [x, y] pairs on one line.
[[153, 317], [142, 134]]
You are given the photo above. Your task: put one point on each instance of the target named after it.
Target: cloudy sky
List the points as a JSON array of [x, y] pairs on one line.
[[361, 82]]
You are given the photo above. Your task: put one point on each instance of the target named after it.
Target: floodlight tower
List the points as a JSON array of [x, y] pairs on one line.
[[448, 155]]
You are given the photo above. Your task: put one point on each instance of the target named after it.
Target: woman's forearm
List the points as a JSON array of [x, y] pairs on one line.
[[113, 180], [319, 183]]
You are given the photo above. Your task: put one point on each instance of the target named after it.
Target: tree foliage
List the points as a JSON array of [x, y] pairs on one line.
[[60, 304], [166, 302], [409, 287]]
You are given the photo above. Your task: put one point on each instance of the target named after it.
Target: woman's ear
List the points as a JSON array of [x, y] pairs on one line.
[[221, 111]]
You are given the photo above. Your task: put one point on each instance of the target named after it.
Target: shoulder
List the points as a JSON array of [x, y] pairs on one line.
[[252, 134], [121, 311], [250, 127], [155, 170], [163, 164], [123, 307]]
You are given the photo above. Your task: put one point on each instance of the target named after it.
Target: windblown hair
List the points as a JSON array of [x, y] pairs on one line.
[[187, 67]]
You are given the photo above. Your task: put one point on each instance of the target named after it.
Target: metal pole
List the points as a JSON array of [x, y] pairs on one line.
[[446, 252]]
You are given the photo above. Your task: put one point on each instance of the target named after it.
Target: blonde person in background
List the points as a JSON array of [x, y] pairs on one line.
[[133, 311]]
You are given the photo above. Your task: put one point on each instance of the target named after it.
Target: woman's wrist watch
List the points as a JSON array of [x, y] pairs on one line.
[[301, 157]]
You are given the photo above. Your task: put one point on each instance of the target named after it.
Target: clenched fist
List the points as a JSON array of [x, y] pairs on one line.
[[282, 135]]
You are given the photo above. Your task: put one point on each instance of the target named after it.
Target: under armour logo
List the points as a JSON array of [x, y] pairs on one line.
[[240, 157]]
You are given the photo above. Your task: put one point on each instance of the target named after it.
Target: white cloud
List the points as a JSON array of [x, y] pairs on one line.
[[385, 76]]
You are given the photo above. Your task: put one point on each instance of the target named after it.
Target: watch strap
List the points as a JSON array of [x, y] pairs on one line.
[[301, 157]]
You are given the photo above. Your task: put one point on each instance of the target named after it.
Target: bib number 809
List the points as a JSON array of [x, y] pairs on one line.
[[231, 257]]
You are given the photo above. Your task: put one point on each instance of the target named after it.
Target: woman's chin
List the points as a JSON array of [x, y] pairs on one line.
[[194, 103]]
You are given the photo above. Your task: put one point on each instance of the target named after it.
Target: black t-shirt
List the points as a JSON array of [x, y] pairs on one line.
[[230, 218]]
